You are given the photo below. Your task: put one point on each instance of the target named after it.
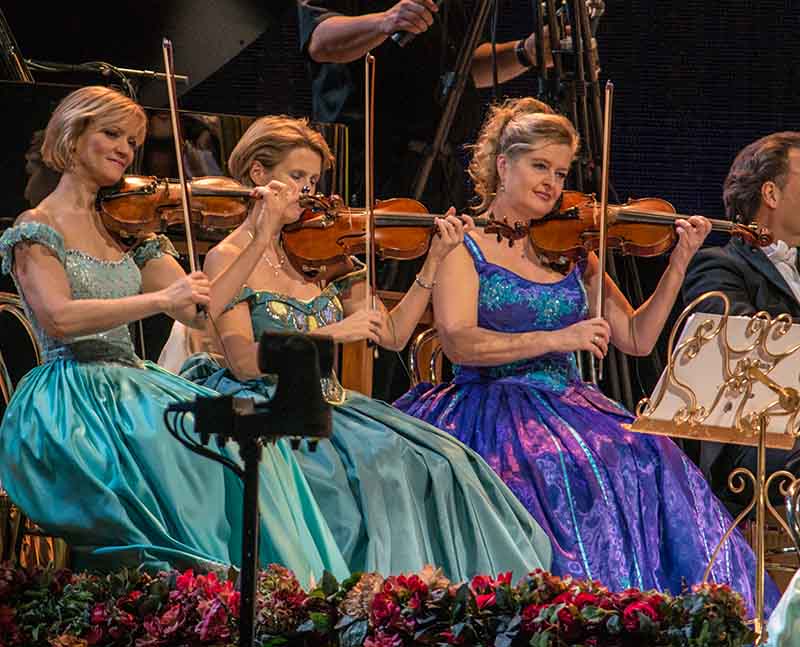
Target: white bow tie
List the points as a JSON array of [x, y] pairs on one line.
[[779, 251]]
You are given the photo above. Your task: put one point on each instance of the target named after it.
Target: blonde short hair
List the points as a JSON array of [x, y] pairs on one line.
[[93, 104], [269, 140], [514, 126]]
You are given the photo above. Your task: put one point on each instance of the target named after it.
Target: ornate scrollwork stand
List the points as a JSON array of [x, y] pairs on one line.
[[751, 399]]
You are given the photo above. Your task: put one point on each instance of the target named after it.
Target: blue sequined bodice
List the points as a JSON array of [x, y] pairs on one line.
[[89, 278], [508, 302]]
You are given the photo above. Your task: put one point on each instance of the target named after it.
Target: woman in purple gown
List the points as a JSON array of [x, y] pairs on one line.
[[628, 509]]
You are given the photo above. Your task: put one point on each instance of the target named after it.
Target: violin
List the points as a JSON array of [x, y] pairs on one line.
[[644, 227], [321, 242], [141, 205]]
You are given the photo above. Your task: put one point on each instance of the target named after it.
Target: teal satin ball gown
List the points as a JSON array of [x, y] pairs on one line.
[[396, 492], [84, 450]]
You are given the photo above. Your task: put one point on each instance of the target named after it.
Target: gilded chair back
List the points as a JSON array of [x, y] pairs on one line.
[[20, 539], [11, 305], [425, 358]]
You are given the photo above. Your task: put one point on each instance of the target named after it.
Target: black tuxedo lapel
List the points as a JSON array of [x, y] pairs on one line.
[[766, 269]]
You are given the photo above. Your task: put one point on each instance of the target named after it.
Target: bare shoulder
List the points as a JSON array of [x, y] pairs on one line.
[[37, 214], [456, 266], [222, 254]]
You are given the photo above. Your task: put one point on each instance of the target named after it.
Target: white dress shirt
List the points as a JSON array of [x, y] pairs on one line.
[[785, 260]]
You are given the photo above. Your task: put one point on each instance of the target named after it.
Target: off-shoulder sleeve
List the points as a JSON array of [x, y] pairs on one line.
[[344, 283], [29, 232], [245, 294], [153, 248]]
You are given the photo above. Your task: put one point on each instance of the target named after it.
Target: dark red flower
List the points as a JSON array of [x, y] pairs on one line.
[[586, 599], [185, 581], [94, 635], [630, 616], [485, 600], [451, 638], [563, 598], [381, 639], [384, 611], [7, 617], [99, 614], [481, 583], [570, 624], [529, 616]]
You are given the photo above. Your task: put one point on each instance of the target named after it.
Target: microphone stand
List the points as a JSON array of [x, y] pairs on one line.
[[298, 410], [453, 91]]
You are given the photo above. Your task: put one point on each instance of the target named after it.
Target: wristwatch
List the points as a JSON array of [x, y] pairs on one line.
[[522, 54]]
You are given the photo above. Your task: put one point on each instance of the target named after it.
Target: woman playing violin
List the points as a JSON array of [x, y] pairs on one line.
[[396, 492], [83, 446], [627, 509]]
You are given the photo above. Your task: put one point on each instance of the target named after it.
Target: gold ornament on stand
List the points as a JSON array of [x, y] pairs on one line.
[[732, 380]]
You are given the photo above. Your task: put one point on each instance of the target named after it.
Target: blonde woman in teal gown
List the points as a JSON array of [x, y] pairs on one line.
[[397, 493], [83, 446]]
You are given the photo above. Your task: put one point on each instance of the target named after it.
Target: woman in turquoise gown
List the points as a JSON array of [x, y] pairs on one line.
[[396, 492], [84, 450]]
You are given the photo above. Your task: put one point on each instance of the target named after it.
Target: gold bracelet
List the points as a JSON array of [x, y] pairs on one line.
[[422, 284]]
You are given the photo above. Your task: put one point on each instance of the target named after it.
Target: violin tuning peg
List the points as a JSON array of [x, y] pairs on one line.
[[499, 237], [510, 242]]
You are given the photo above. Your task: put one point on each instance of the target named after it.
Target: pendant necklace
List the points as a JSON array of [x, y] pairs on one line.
[[281, 261]]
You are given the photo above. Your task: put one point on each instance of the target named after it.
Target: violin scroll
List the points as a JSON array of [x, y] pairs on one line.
[[753, 235]]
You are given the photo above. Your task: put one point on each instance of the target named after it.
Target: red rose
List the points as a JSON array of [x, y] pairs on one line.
[[7, 617], [94, 636], [529, 616], [630, 617], [450, 638], [563, 598], [381, 639], [485, 600], [99, 615], [185, 581], [384, 610], [570, 625], [586, 600], [481, 582]]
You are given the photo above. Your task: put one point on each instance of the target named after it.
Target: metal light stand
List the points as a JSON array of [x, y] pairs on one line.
[[741, 373], [298, 410], [453, 90]]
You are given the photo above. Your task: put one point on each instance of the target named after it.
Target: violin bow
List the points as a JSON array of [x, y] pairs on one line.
[[177, 137], [369, 175], [603, 224]]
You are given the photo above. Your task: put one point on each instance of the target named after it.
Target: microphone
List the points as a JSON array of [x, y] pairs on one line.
[[403, 38]]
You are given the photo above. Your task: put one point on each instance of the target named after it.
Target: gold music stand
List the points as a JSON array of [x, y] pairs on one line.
[[728, 380]]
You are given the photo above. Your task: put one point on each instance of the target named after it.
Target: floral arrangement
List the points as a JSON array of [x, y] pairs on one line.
[[136, 609]]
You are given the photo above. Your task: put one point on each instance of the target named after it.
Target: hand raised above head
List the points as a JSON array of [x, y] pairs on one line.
[[414, 16]]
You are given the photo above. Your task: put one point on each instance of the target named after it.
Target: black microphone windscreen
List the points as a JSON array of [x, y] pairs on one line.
[[272, 345]]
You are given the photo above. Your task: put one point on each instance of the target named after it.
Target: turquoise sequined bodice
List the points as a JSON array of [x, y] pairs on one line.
[[89, 278], [270, 311]]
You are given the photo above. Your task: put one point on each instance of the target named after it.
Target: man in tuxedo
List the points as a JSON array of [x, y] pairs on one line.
[[762, 187]]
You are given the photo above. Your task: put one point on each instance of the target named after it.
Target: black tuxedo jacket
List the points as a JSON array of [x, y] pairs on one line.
[[752, 283], [745, 274]]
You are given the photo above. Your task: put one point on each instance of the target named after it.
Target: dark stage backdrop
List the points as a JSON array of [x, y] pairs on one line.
[[695, 81]]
